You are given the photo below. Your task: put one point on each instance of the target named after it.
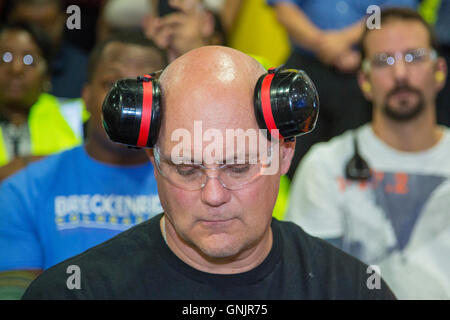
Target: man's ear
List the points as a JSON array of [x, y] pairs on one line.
[[150, 155], [365, 85], [86, 96], [440, 73], [287, 153]]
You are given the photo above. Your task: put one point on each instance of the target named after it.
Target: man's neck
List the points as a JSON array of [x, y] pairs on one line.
[[247, 260], [415, 135]]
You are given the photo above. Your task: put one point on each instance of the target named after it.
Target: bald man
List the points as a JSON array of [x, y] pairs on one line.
[[216, 238]]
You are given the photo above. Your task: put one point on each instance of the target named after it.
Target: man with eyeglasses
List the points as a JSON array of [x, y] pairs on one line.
[[216, 238], [382, 192]]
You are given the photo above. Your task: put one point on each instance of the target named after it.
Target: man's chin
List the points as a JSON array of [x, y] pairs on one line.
[[403, 113], [221, 248]]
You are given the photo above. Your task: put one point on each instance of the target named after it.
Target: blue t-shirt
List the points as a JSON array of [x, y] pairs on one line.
[[442, 25], [339, 14], [62, 205]]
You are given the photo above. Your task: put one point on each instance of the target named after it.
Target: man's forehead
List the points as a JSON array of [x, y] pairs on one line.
[[397, 35], [215, 108], [131, 54], [219, 144]]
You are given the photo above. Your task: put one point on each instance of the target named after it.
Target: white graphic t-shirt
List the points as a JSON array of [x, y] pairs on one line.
[[399, 219]]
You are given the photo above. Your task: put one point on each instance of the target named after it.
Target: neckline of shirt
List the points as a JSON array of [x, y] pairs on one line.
[[375, 144]]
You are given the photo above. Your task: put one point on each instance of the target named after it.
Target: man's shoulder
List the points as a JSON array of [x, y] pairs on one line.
[[312, 246], [337, 274], [97, 266]]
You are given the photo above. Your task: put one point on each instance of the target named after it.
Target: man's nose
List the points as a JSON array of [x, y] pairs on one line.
[[400, 69], [214, 193]]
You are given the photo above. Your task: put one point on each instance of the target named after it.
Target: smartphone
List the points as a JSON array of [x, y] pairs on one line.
[[164, 8]]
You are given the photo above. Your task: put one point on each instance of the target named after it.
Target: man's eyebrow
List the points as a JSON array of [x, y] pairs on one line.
[[391, 53]]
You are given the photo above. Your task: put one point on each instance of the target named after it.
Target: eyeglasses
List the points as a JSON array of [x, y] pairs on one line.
[[410, 57], [28, 59], [193, 177]]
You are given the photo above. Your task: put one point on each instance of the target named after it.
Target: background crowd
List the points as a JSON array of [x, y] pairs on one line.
[[60, 174]]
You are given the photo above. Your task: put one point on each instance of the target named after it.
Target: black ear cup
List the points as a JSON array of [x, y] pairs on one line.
[[132, 111], [286, 100]]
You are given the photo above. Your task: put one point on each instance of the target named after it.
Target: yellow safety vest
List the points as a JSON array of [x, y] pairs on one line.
[[52, 126], [282, 199], [428, 9], [257, 32]]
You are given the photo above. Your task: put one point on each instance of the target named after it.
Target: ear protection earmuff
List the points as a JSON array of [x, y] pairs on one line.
[[366, 86], [285, 99], [440, 76]]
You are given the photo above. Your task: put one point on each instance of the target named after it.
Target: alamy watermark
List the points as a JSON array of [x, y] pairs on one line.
[[74, 280], [74, 20], [374, 280], [240, 147], [373, 20]]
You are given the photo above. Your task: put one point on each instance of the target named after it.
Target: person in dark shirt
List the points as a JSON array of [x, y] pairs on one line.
[[216, 238]]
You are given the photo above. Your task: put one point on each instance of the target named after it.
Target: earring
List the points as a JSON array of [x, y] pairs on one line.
[[47, 86]]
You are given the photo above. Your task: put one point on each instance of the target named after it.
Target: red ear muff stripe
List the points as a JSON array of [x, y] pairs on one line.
[[146, 117], [266, 106]]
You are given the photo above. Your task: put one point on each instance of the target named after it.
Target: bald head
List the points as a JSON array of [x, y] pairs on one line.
[[212, 63], [211, 84]]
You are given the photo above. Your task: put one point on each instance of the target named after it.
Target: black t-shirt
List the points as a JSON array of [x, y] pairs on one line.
[[137, 264]]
